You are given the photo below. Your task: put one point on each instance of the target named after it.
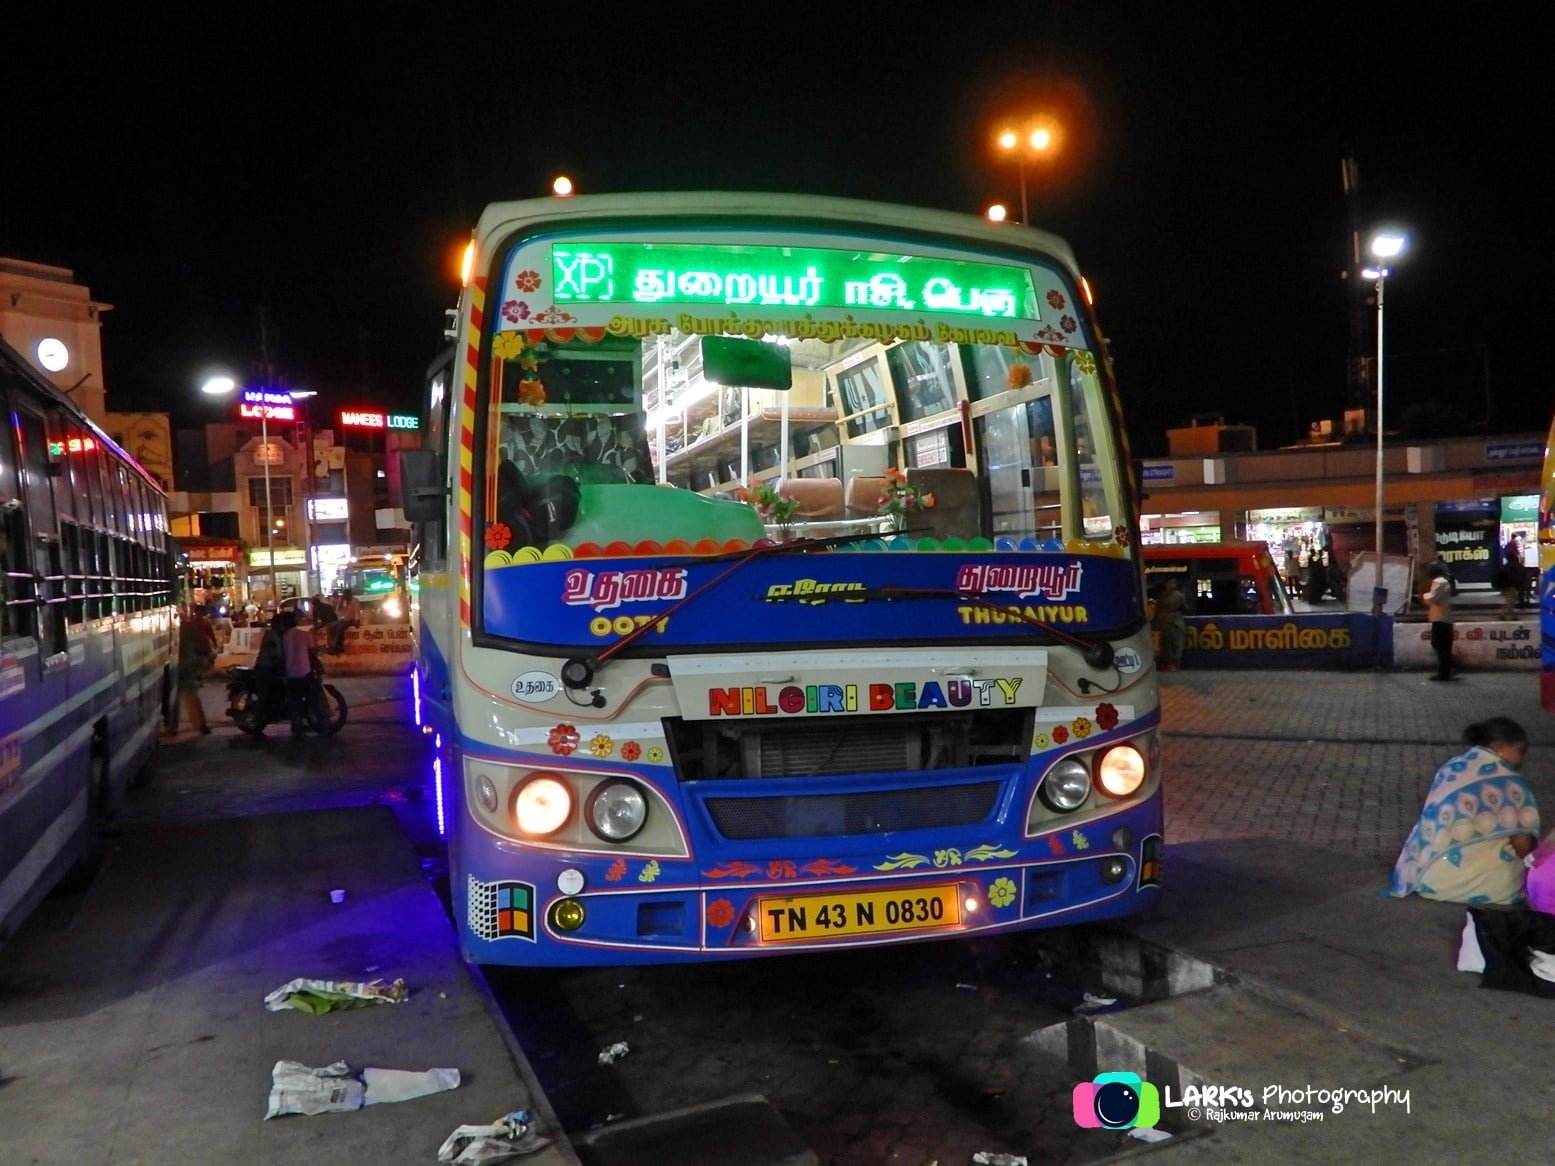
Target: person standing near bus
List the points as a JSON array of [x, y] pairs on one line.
[[1170, 606], [196, 653], [350, 616], [1438, 609]]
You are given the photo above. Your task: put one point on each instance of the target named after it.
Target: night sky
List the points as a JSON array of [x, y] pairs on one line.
[[193, 168]]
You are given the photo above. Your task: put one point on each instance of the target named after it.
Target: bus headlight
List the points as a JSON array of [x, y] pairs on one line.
[[616, 810], [393, 608], [1066, 786], [542, 805], [1121, 771]]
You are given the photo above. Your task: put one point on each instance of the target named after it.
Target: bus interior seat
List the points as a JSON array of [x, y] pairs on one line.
[[957, 505], [819, 498], [862, 496]]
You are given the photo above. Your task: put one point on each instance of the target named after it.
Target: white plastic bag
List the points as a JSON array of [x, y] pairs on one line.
[[386, 1085]]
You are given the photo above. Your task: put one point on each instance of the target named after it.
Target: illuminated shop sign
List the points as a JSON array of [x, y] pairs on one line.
[[358, 419], [266, 405], [736, 275], [327, 510]]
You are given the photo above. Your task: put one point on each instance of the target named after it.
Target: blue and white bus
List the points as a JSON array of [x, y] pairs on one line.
[[780, 585], [88, 632]]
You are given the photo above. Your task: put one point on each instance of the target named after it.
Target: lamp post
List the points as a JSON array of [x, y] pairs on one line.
[[220, 386], [305, 427], [1034, 142], [1384, 246]]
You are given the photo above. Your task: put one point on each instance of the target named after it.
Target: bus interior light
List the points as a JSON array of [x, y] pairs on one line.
[[542, 805], [1121, 772], [1066, 786]]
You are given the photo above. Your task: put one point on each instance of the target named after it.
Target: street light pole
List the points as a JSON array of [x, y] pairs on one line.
[[1383, 247], [1036, 141], [1378, 595]]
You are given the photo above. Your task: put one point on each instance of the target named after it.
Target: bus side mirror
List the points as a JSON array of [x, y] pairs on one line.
[[423, 492]]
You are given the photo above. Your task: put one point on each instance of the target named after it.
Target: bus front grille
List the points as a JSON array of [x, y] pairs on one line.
[[868, 812], [756, 747]]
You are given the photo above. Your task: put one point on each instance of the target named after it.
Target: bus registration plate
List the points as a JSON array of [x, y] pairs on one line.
[[797, 917]]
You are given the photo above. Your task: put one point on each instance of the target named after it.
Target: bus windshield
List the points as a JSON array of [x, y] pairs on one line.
[[934, 402]]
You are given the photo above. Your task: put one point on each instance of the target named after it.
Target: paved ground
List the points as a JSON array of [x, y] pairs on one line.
[[1288, 797]]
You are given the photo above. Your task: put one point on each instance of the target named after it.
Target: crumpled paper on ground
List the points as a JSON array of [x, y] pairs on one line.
[[296, 1088], [319, 996], [613, 1053], [507, 1137]]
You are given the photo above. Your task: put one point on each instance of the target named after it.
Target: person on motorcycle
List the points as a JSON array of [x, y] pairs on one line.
[[297, 656]]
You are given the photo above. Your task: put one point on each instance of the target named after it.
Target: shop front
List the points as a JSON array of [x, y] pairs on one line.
[[1192, 526], [290, 574]]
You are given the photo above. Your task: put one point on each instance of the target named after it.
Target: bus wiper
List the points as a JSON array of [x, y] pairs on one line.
[[1096, 653], [579, 671]]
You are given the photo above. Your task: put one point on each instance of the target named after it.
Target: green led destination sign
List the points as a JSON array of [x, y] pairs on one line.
[[792, 277]]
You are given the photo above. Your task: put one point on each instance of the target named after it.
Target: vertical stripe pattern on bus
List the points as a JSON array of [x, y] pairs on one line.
[[467, 443]]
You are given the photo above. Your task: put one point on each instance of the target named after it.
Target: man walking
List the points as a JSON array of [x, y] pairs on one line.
[[1438, 609]]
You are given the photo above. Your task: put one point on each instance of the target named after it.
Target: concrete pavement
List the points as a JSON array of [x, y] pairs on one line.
[[132, 1028], [1288, 797]]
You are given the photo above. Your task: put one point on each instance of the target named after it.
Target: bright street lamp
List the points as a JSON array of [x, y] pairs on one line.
[[997, 213], [1384, 246], [1035, 142]]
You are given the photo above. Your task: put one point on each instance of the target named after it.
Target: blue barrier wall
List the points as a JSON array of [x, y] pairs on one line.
[[1338, 641]]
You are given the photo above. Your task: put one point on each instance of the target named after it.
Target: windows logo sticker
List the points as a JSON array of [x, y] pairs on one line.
[[1116, 1101]]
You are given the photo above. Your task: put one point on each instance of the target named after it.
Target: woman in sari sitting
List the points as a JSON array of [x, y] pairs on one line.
[[1479, 821]]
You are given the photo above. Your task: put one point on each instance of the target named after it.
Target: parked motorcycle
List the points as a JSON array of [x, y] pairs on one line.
[[253, 709]]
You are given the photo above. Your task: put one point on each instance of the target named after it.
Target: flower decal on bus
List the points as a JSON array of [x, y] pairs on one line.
[[563, 739], [515, 312], [507, 346], [601, 745], [617, 871], [1106, 717], [650, 872], [631, 751], [1082, 727], [1042, 741], [720, 912], [498, 536], [655, 754], [1055, 300], [1002, 893], [527, 281], [1060, 734]]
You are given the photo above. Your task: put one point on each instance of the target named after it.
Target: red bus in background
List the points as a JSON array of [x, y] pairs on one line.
[[1229, 578]]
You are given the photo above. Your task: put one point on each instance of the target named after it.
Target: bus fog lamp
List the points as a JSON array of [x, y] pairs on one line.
[[1121, 772], [617, 811], [542, 806], [1066, 786], [1113, 871], [567, 915], [1122, 838], [486, 793]]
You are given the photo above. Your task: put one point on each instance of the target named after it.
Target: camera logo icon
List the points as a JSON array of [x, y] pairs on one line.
[[1116, 1101]]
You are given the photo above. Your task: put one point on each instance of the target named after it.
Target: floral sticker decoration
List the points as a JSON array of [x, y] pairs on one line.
[[1002, 893], [720, 912], [1060, 734], [655, 754], [631, 751], [531, 391], [498, 535], [515, 311], [1068, 323], [1042, 741], [650, 873], [601, 745], [1082, 727], [507, 346], [617, 871], [1120, 535], [1081, 842], [1106, 717], [1055, 844], [563, 739], [527, 281], [1085, 360]]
